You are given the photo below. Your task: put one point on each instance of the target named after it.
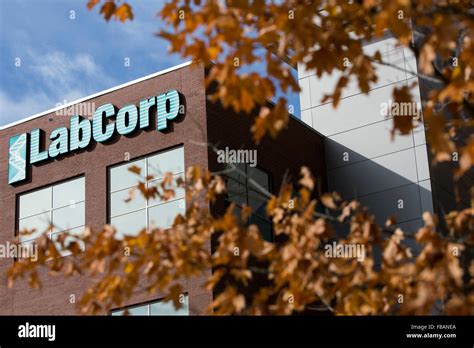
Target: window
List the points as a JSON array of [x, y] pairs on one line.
[[55, 209], [131, 217], [248, 185], [156, 308]]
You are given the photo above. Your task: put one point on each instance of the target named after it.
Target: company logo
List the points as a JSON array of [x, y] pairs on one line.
[[27, 147]]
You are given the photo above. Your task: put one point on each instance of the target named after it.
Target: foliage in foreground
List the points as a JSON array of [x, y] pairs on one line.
[[434, 275], [294, 273]]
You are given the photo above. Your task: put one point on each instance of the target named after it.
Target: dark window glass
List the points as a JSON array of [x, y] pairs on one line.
[[250, 186]]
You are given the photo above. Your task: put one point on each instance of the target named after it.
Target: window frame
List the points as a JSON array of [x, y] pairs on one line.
[[148, 307], [147, 206], [250, 187], [51, 209]]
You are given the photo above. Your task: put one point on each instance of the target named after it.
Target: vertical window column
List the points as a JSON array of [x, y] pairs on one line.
[[246, 187]]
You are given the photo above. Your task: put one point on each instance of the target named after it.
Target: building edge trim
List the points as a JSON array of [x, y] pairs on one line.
[[112, 89]]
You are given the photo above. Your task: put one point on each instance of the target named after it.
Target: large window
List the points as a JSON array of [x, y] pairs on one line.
[[130, 217], [156, 308], [248, 186], [55, 209]]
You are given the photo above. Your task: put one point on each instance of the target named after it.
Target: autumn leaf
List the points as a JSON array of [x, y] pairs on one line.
[[306, 179], [108, 9], [403, 111], [92, 3], [124, 12], [329, 201], [135, 169], [427, 55], [466, 160], [251, 276]]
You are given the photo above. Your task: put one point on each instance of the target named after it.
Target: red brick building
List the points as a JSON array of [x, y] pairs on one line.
[[82, 182]]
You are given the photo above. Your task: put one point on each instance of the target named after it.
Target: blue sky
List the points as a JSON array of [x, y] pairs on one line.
[[64, 59]]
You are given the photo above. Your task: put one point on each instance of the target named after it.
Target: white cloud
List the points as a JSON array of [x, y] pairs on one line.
[[16, 109], [61, 73], [55, 78]]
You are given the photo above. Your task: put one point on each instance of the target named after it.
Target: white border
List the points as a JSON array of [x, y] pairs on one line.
[[162, 72]]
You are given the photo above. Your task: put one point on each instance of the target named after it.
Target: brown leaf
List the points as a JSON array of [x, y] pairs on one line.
[[124, 12], [135, 169], [328, 200], [108, 9]]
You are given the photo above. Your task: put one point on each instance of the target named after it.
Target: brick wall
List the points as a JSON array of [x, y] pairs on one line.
[[93, 163]]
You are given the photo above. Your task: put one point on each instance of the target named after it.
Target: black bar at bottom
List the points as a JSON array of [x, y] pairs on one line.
[[136, 331]]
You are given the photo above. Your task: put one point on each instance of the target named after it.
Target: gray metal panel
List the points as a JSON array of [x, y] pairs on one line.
[[403, 203], [353, 112], [378, 171], [426, 196], [305, 98], [381, 173], [306, 117], [422, 163], [364, 143], [386, 75]]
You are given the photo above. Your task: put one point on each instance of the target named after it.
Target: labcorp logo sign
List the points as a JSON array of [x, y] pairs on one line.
[[26, 149]]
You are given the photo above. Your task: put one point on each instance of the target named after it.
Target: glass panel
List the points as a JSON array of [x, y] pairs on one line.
[[237, 212], [169, 161], [35, 202], [69, 217], [235, 173], [129, 224], [139, 310], [73, 232], [260, 177], [39, 222], [118, 206], [236, 192], [167, 308], [71, 191], [163, 215], [178, 191], [264, 226], [121, 178], [258, 203]]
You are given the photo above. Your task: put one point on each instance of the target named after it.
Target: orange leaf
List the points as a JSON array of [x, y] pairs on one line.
[[92, 3], [108, 10], [124, 12]]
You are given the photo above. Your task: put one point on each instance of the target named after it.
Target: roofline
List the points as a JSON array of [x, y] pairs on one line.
[[162, 72], [299, 120]]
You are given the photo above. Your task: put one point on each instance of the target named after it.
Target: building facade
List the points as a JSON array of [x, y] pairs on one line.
[[390, 176], [70, 170]]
